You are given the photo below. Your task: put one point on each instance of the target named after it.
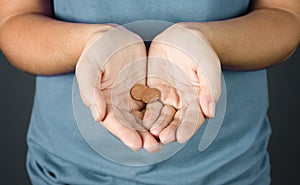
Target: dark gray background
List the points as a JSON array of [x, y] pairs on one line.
[[17, 91]]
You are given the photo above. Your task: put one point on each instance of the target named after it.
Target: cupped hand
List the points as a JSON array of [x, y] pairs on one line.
[[192, 54], [103, 58]]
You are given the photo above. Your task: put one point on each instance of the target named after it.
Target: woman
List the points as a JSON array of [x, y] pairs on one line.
[[46, 38]]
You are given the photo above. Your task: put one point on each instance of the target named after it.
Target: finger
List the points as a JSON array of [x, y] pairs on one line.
[[128, 136], [165, 118], [150, 144], [168, 134], [210, 88], [192, 120], [98, 108], [161, 76], [169, 95], [152, 113], [125, 108], [131, 120], [137, 114], [207, 103], [136, 105]]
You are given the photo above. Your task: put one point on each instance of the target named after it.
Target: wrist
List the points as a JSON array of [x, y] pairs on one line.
[[204, 32], [200, 29], [85, 34]]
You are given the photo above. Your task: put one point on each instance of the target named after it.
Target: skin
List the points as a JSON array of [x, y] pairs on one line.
[[48, 46], [194, 96], [240, 43], [100, 99], [264, 37]]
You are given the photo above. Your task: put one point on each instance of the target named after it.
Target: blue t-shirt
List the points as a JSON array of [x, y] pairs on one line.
[[58, 154]]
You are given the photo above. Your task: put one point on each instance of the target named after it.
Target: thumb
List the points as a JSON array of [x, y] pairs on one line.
[[92, 96], [98, 107], [209, 93]]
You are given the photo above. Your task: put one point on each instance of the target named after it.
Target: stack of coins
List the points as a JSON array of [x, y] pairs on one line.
[[145, 94]]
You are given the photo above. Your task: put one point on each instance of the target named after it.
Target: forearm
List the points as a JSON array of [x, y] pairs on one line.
[[260, 39], [41, 45]]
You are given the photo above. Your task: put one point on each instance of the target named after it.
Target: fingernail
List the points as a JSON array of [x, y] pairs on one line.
[[160, 147], [154, 132], [168, 139], [212, 107], [94, 112], [154, 148], [134, 148]]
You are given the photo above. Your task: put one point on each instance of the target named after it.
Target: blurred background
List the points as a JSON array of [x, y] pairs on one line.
[[16, 98]]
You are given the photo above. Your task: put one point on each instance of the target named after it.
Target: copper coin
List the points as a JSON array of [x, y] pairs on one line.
[[137, 91], [150, 95]]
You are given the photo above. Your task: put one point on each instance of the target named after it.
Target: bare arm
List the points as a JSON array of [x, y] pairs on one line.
[[34, 42], [264, 37]]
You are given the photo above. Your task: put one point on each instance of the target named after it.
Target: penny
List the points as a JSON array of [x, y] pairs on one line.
[[150, 95], [137, 91]]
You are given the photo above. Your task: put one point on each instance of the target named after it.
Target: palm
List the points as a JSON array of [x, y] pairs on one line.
[[99, 67], [196, 59]]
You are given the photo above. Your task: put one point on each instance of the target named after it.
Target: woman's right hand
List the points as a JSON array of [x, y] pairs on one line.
[[101, 62]]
